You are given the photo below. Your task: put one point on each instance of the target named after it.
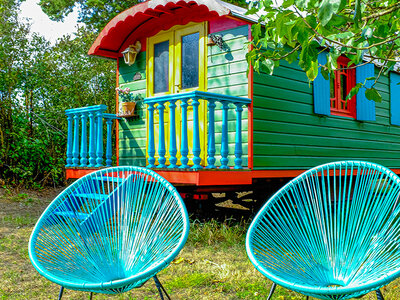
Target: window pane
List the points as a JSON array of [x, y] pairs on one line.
[[332, 86], [343, 86], [190, 60], [161, 64]]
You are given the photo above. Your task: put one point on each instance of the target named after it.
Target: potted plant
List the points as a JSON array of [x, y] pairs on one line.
[[128, 103]]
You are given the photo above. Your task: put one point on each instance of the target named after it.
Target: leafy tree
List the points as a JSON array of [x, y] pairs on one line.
[[37, 83], [301, 29], [94, 13]]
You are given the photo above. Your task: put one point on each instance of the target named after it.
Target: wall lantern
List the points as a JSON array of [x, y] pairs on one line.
[[131, 52]]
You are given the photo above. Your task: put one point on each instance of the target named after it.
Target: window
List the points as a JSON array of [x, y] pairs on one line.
[[329, 94], [340, 86]]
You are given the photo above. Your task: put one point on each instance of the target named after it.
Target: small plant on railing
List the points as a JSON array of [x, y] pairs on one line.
[[128, 102]]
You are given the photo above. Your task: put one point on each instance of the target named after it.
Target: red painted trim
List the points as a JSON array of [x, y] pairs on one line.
[[224, 23], [337, 100], [222, 178], [250, 135], [77, 173], [117, 121], [206, 177]]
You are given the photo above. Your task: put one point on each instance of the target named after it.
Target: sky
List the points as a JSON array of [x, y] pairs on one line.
[[42, 24]]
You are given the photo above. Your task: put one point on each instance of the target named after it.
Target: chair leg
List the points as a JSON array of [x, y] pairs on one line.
[[60, 293], [160, 288], [379, 295], [91, 296], [272, 290]]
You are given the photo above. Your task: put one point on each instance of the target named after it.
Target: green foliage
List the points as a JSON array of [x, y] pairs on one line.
[[301, 29], [94, 13], [37, 83]]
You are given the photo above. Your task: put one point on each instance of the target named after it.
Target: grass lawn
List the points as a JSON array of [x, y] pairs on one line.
[[212, 265]]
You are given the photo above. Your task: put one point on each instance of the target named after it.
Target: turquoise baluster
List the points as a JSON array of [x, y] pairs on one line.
[[196, 135], [99, 149], [211, 135], [108, 143], [238, 137], [75, 152], [84, 141], [69, 141], [92, 140], [184, 135], [161, 136], [151, 149], [172, 136], [224, 140]]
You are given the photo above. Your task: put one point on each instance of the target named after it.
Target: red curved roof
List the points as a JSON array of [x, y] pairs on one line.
[[148, 18]]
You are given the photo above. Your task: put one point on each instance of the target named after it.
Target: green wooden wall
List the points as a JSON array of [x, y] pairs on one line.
[[227, 74], [288, 135], [132, 131]]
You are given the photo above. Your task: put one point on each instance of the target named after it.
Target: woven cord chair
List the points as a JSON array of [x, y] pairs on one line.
[[331, 233], [110, 232]]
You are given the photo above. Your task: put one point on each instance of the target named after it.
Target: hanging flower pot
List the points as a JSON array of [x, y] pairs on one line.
[[128, 108], [128, 103]]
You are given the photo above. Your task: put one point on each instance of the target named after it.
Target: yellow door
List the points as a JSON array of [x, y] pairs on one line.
[[177, 63]]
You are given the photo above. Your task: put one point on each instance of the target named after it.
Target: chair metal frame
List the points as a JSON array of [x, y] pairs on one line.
[[333, 232], [110, 231]]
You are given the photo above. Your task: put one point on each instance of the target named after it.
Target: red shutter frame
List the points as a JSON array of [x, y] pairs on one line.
[[351, 111]]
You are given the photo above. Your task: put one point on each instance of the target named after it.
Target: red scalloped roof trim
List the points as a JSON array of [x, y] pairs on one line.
[[140, 21]]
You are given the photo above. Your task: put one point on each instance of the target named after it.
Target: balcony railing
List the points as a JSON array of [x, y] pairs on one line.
[[79, 137], [193, 99]]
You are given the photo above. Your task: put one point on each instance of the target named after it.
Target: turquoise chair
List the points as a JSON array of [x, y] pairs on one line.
[[331, 233], [110, 232]]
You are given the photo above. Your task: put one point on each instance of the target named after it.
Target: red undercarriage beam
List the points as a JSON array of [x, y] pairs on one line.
[[209, 177]]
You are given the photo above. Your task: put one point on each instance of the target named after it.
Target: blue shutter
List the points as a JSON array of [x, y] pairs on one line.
[[394, 98], [322, 101], [365, 108]]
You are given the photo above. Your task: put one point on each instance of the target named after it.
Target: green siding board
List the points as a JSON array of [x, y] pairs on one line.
[[236, 90], [233, 33], [133, 152], [315, 140], [285, 72], [321, 131], [128, 77], [226, 57], [319, 151], [281, 93], [268, 118], [232, 68], [132, 161], [135, 85], [128, 143], [227, 80], [289, 84]]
